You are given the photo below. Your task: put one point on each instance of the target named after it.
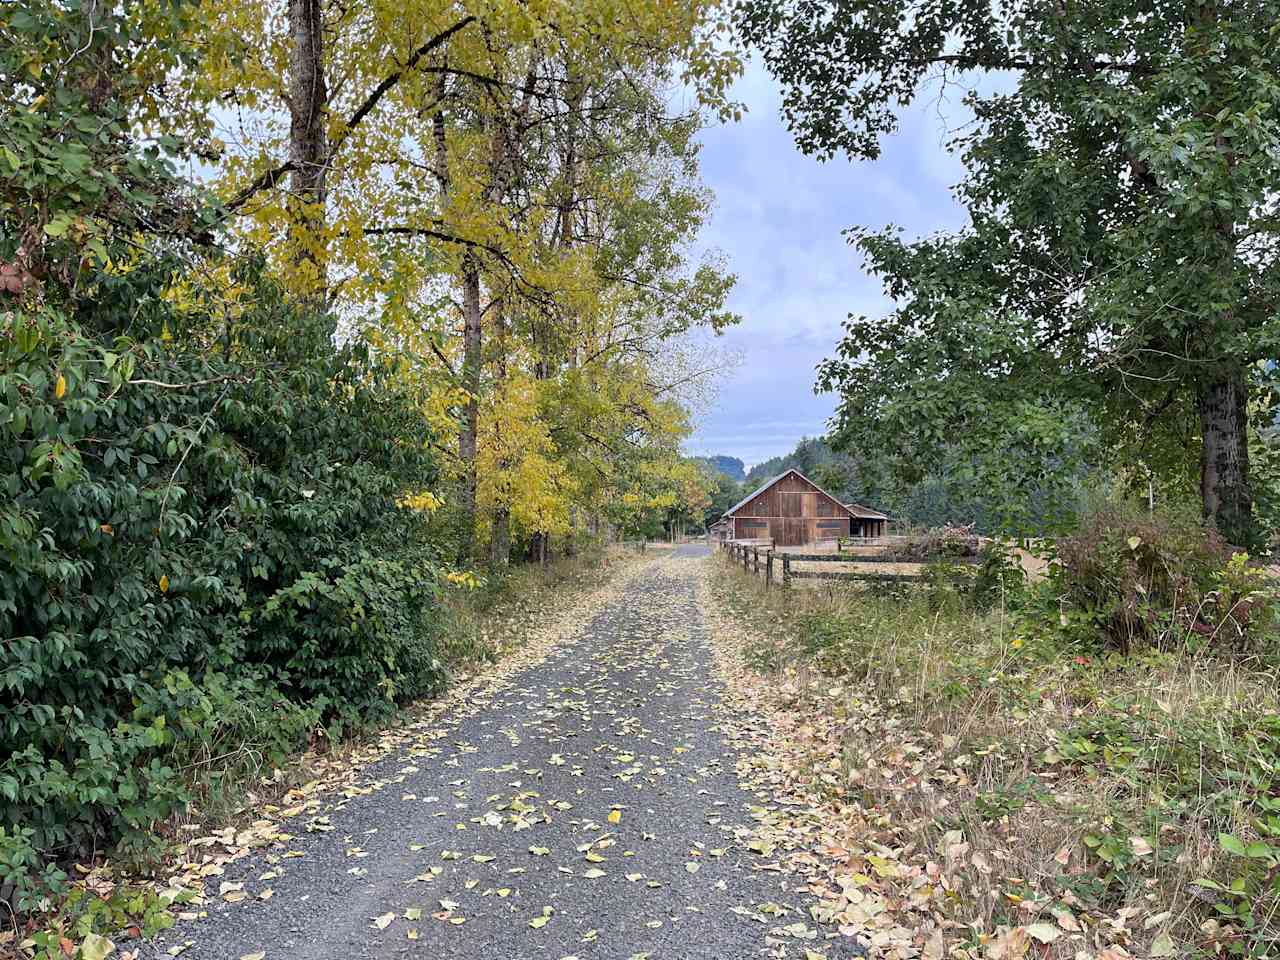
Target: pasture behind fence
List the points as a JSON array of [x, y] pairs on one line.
[[757, 556]]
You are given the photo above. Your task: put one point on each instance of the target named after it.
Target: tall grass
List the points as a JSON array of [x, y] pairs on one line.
[[1089, 779]]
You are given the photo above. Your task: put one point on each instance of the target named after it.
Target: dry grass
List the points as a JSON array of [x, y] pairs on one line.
[[1052, 784], [482, 622]]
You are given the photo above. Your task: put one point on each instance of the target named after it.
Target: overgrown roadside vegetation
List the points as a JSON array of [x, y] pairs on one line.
[[1084, 766], [251, 778], [253, 456]]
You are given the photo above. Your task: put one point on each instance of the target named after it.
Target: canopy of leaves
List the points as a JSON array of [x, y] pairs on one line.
[[1120, 261], [183, 526]]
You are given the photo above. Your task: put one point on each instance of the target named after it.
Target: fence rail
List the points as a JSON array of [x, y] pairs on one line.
[[777, 565], [849, 575]]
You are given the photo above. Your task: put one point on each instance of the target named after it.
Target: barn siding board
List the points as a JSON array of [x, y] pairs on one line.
[[792, 511]]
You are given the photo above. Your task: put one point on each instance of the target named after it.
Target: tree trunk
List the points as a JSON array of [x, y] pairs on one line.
[[500, 536], [308, 147], [500, 540], [471, 359], [1224, 458]]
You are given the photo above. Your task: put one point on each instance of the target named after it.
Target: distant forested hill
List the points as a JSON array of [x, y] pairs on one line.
[[731, 467], [948, 495], [809, 454]]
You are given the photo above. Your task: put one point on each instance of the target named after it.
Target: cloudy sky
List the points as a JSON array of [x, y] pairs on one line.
[[778, 222]]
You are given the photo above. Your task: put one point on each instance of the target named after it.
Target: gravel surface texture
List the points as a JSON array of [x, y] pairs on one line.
[[591, 811]]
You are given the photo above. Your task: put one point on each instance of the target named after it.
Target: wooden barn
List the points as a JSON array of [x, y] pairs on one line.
[[792, 510]]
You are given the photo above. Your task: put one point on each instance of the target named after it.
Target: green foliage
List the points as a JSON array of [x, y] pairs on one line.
[[199, 540], [1264, 454], [1113, 290], [1138, 580], [1250, 893], [999, 577], [948, 585], [724, 493], [730, 467], [968, 492], [83, 919], [74, 79]]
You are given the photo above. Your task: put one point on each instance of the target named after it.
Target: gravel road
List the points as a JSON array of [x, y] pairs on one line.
[[591, 812]]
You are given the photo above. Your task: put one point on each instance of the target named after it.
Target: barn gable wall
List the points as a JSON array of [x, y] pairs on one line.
[[791, 511], [792, 496]]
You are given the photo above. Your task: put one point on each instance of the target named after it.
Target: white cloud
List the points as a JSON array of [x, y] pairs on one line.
[[779, 218]]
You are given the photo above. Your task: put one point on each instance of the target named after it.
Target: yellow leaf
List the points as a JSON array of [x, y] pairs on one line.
[[615, 816], [94, 947], [1044, 932], [164, 583], [60, 388]]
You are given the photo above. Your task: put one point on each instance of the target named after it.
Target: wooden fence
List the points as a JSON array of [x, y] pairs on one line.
[[777, 565]]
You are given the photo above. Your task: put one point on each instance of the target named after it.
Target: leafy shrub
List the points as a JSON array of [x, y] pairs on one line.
[[948, 585], [997, 577], [200, 542], [1138, 579]]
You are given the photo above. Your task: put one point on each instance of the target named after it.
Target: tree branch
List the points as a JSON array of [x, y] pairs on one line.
[[392, 79], [269, 178]]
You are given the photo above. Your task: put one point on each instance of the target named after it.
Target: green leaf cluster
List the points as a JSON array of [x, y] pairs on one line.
[[199, 537], [1114, 289]]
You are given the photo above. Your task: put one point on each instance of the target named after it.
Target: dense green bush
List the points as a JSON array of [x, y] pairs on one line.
[[200, 542], [1134, 579], [998, 577]]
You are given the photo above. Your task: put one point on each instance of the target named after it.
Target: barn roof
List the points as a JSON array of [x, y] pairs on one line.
[[864, 513], [769, 483]]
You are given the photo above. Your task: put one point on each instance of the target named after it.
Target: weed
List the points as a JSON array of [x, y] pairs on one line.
[[1134, 784]]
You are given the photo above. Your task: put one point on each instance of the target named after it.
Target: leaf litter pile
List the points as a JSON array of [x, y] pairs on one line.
[[856, 799], [579, 801]]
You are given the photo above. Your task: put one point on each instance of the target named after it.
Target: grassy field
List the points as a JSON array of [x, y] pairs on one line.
[[1068, 799]]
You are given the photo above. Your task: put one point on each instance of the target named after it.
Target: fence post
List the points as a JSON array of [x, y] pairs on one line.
[[786, 570], [745, 559], [768, 569]]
